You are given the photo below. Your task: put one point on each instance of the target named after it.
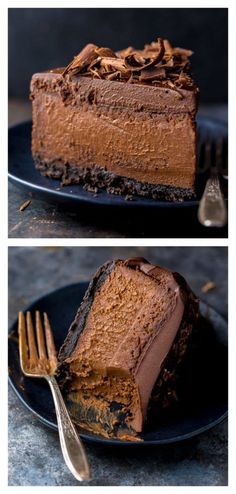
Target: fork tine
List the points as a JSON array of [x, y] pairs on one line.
[[40, 336], [52, 354], [23, 347], [33, 354]]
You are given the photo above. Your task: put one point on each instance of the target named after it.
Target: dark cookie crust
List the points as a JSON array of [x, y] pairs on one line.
[[98, 178]]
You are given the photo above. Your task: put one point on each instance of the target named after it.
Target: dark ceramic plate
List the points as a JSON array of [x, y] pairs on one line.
[[23, 173], [202, 390]]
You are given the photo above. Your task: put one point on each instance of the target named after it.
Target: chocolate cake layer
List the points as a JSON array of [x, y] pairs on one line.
[[132, 316], [141, 131]]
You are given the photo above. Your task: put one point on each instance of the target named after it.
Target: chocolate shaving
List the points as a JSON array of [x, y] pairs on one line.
[[125, 52], [136, 61], [209, 285], [152, 74], [158, 63], [181, 52], [82, 60], [168, 47], [24, 205], [95, 73], [116, 63], [114, 75], [105, 52]]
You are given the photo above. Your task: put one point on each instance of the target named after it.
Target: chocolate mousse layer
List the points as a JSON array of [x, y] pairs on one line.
[[134, 319], [124, 122]]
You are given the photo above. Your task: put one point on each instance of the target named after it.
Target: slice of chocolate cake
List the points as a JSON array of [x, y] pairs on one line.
[[123, 121], [130, 332]]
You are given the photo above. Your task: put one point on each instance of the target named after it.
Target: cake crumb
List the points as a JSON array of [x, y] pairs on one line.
[[90, 188], [128, 197], [24, 205], [208, 286]]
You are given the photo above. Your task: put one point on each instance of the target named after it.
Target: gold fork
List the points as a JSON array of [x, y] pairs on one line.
[[38, 358]]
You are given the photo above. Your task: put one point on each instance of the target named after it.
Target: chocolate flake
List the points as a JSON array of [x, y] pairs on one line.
[[82, 60], [105, 52], [114, 63], [158, 63], [24, 205], [142, 60], [208, 286], [152, 74]]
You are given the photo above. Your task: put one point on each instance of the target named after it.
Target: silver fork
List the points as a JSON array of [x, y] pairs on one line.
[[38, 358], [212, 210]]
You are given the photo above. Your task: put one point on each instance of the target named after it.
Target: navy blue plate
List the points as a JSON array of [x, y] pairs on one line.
[[202, 390], [23, 174]]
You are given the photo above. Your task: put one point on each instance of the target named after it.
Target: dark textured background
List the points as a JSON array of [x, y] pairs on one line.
[[34, 450], [44, 38]]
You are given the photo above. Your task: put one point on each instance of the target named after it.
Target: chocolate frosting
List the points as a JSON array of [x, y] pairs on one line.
[[157, 63]]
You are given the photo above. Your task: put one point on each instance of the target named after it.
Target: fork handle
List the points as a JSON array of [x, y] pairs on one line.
[[71, 445], [212, 210]]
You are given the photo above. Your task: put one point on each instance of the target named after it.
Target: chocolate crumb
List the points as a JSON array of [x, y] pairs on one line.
[[24, 205], [90, 188], [208, 286]]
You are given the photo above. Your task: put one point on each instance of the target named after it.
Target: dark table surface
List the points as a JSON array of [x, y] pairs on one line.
[[41, 219], [34, 452]]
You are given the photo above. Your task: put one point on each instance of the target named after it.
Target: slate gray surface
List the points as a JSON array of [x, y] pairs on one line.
[[34, 451], [44, 220]]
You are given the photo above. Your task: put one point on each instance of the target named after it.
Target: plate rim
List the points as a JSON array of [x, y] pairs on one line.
[[68, 198], [96, 438]]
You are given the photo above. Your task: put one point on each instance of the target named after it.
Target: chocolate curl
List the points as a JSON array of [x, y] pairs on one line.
[[115, 63], [152, 74], [114, 75], [174, 88], [168, 48], [105, 52], [132, 78], [95, 73], [158, 63], [184, 80], [82, 60], [168, 62], [138, 62], [182, 52], [134, 262], [125, 52]]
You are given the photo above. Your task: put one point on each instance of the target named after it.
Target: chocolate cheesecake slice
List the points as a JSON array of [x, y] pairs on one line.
[[122, 121], [130, 333]]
